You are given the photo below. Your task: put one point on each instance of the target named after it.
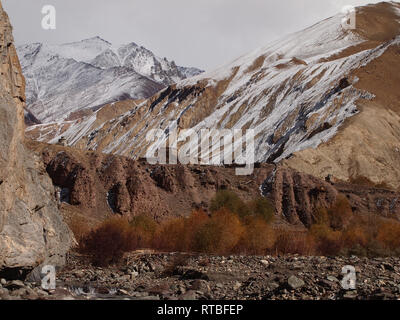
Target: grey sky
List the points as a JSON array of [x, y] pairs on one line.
[[200, 33]]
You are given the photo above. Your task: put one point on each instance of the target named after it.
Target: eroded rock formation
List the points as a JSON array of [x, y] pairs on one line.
[[99, 185], [298, 195]]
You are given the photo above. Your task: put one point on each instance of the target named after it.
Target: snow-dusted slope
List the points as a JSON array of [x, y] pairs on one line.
[[70, 77], [295, 93]]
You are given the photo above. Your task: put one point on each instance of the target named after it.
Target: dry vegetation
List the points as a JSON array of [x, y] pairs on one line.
[[236, 227]]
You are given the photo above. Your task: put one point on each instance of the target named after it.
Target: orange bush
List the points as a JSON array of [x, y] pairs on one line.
[[193, 224], [79, 227], [321, 216], [178, 234], [336, 230], [328, 242], [220, 234], [170, 236], [389, 235], [107, 244], [340, 213], [143, 230], [337, 216], [292, 242], [355, 236], [258, 238]]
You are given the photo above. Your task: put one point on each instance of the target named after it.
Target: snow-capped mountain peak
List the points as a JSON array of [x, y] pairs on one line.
[[65, 78]]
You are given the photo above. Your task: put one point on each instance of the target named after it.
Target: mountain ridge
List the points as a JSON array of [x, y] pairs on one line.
[[66, 78], [297, 93]]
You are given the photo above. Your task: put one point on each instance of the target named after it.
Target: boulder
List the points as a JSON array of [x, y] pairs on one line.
[[295, 283]]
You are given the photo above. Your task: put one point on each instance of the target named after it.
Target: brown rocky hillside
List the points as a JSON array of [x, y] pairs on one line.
[[93, 186]]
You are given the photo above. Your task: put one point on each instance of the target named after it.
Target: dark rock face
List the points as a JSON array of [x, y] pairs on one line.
[[32, 230]]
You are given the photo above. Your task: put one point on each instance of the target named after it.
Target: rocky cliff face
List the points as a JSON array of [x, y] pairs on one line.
[[32, 230]]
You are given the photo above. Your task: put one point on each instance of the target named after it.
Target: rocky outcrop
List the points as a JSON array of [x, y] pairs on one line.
[[95, 186], [32, 230], [100, 185], [298, 195]]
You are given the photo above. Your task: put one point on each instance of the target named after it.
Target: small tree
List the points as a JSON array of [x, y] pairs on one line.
[[220, 235], [107, 244], [262, 208], [226, 199], [340, 213], [258, 238]]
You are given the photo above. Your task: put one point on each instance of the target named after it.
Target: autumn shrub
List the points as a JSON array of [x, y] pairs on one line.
[[145, 223], [262, 208], [220, 234], [355, 236], [79, 226], [340, 213], [321, 217], [371, 224], [258, 237], [337, 216], [328, 242], [245, 230], [170, 236], [226, 199], [195, 222], [293, 242], [144, 229], [178, 234], [389, 235], [107, 244]]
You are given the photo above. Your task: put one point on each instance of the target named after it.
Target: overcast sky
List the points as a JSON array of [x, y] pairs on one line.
[[200, 33]]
